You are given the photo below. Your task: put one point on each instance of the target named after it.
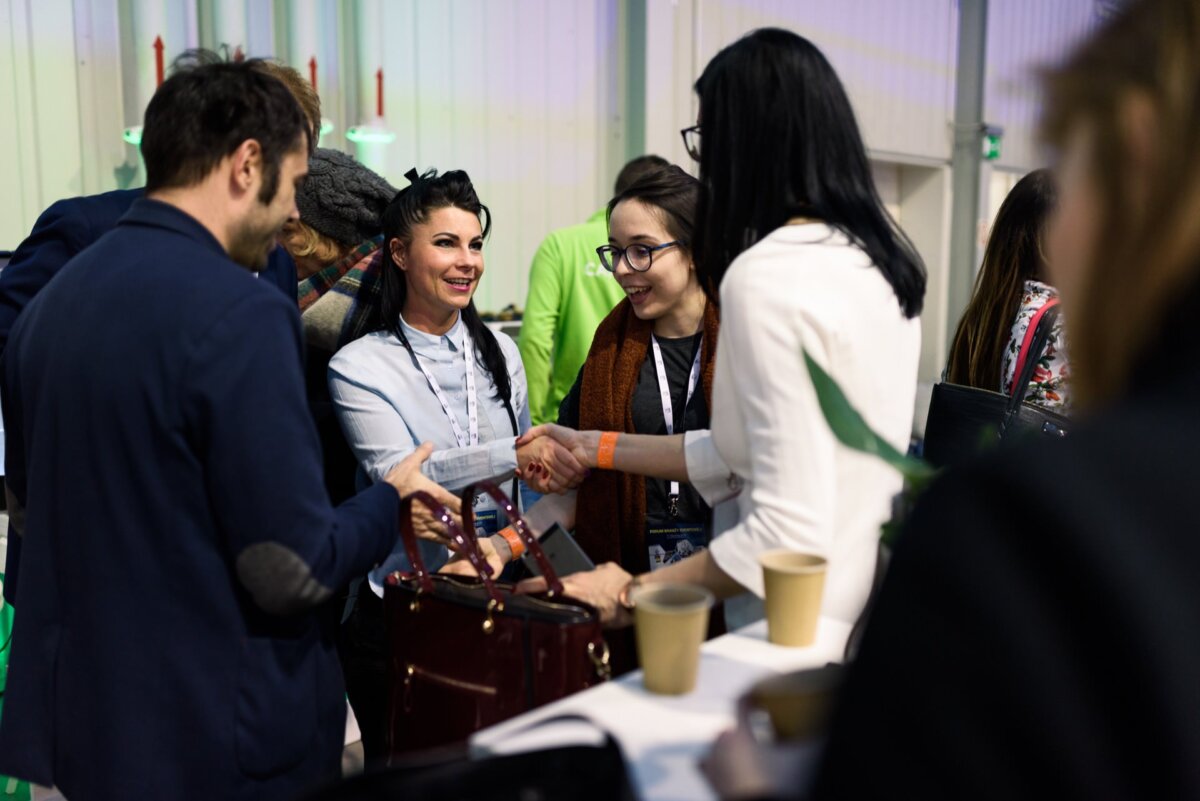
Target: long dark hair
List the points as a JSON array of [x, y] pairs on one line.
[[779, 140], [1013, 256], [412, 206]]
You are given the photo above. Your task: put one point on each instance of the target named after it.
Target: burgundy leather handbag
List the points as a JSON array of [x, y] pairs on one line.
[[466, 653]]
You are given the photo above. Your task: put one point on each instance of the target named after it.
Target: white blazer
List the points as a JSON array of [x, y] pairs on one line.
[[770, 460]]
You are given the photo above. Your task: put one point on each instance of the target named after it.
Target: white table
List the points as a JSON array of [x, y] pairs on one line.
[[664, 737]]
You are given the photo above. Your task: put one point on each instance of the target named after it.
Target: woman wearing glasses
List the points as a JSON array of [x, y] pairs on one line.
[[807, 260], [649, 371]]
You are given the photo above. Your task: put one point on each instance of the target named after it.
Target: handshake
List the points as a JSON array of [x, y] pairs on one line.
[[554, 459], [550, 459]]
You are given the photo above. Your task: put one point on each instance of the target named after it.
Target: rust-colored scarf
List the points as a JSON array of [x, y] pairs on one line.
[[610, 517]]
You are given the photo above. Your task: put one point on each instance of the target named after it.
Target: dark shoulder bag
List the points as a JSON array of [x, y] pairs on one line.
[[965, 420]]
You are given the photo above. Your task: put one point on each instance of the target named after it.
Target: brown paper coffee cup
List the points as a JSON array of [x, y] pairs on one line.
[[671, 621], [793, 583]]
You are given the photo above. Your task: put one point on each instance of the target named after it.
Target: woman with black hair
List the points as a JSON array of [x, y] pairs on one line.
[[793, 232], [1010, 292], [432, 372]]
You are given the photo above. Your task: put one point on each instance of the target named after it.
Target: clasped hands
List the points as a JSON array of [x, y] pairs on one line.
[[553, 459], [550, 459]]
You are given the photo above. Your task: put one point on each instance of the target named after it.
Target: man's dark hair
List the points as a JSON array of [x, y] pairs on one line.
[[632, 172], [199, 116], [297, 84]]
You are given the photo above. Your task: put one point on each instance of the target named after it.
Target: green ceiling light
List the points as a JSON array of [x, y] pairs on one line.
[[370, 134], [992, 135], [133, 135], [991, 148]]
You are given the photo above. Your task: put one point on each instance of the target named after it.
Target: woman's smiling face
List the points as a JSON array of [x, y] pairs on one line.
[[443, 262], [666, 284]]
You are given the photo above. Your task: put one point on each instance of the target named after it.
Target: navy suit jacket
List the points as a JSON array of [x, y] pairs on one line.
[[60, 233], [177, 539]]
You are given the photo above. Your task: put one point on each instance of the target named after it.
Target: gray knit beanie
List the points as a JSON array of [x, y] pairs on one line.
[[342, 199]]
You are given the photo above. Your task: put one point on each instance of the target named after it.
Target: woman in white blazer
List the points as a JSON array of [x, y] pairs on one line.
[[807, 259]]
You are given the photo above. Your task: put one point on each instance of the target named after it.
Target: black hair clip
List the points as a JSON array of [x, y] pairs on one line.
[[412, 175]]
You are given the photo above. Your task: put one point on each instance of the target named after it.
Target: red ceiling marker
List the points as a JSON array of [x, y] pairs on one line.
[[158, 59], [312, 72], [238, 55], [379, 93]]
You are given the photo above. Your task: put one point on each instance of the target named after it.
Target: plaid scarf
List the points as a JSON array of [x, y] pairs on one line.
[[340, 303]]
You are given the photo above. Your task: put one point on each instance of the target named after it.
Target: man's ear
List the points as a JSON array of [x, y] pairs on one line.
[[247, 166]]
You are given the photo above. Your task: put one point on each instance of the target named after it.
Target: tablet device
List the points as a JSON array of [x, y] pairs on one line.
[[564, 553]]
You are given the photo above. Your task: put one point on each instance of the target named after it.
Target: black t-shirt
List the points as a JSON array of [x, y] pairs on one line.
[[678, 355]]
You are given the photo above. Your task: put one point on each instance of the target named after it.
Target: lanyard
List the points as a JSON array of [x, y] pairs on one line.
[[664, 391], [472, 437]]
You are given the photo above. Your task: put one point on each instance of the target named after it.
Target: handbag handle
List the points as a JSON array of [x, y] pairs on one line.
[[1042, 326], [553, 583], [1025, 365], [465, 541]]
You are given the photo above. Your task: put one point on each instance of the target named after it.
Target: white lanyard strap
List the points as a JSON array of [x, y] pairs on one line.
[[472, 437], [668, 409]]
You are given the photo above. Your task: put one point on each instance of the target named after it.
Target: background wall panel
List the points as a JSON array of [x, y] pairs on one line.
[[896, 61], [39, 92], [106, 159], [1023, 36]]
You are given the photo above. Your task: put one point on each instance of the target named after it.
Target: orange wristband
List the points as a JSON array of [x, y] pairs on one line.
[[515, 543], [607, 449]]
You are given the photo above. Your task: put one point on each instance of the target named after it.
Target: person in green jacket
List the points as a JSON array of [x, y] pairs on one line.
[[569, 294]]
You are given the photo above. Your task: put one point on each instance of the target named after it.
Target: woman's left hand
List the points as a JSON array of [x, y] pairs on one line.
[[600, 588]]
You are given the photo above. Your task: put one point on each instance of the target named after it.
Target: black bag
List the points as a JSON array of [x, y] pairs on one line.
[[574, 772], [965, 420]]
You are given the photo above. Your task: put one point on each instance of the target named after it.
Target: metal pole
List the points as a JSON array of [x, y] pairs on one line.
[[968, 154], [635, 79]]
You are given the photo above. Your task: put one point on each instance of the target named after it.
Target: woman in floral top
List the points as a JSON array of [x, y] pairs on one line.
[[1008, 293], [1049, 385]]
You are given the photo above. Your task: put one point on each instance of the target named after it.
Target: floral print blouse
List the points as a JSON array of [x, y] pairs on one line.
[[1050, 385]]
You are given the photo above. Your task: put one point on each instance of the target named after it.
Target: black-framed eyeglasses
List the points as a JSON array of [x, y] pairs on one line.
[[691, 141], [639, 257]]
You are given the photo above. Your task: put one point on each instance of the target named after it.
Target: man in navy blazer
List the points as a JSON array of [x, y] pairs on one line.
[[70, 225], [178, 540], [60, 233]]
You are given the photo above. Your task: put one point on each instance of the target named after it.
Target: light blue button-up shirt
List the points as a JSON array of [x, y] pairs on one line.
[[387, 410]]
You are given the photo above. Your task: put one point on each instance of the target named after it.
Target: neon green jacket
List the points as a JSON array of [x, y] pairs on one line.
[[570, 292]]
